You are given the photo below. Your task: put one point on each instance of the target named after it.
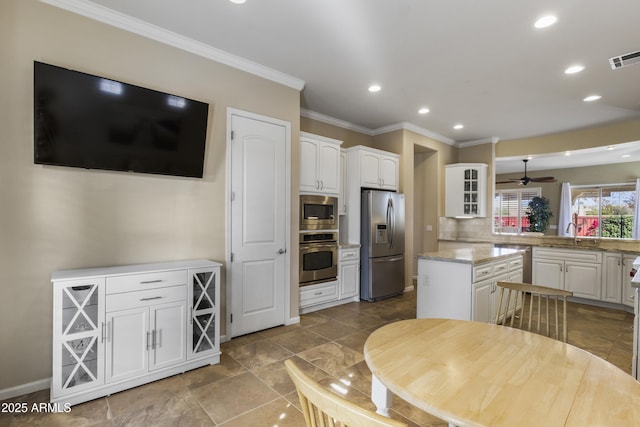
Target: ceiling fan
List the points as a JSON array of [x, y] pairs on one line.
[[525, 179]]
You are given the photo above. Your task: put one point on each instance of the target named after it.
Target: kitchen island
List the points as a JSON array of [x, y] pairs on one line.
[[461, 283]]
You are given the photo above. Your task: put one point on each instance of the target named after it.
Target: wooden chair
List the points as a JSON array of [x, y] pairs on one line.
[[324, 408], [513, 299]]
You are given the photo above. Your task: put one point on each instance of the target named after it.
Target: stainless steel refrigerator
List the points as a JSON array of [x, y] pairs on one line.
[[382, 239]]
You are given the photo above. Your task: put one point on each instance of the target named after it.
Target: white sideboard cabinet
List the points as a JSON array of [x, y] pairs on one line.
[[466, 190], [119, 327]]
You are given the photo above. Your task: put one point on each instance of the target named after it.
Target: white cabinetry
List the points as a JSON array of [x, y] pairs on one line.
[[628, 292], [145, 330], [319, 164], [374, 168], [462, 290], [485, 288], [349, 272], [342, 199], [578, 271], [119, 327], [78, 336], [329, 294], [466, 190], [616, 278], [611, 277]]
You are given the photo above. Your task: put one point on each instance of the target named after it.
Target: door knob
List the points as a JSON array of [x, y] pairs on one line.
[[282, 251]]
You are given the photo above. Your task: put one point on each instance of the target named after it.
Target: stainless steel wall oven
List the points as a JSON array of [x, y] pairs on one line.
[[318, 257]]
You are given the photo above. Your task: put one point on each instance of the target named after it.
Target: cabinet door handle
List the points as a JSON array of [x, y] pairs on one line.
[[153, 339], [148, 336], [150, 298], [146, 282], [104, 332]]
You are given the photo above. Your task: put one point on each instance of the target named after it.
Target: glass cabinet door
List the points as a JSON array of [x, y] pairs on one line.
[[204, 336], [79, 327]]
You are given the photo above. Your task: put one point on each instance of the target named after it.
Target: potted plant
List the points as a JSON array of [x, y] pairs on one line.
[[538, 213]]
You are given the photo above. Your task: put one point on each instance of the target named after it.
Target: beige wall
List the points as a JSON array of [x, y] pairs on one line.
[[348, 137], [573, 140], [55, 218]]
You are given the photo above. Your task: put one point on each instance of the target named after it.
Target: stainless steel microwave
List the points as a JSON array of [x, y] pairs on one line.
[[318, 212]]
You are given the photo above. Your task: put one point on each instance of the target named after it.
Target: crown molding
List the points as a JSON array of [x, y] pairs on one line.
[[335, 122], [416, 129], [492, 140], [379, 131], [145, 29]]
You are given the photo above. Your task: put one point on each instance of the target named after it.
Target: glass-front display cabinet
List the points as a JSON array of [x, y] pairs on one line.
[[78, 338], [204, 295]]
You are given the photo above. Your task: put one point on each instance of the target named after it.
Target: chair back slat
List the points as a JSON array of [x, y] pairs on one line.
[[322, 408], [512, 304]]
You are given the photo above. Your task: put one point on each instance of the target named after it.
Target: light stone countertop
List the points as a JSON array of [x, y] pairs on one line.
[[474, 255], [347, 245]]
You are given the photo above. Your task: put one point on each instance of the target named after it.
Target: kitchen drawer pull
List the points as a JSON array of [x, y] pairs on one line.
[[146, 282], [81, 288], [318, 293], [150, 298]]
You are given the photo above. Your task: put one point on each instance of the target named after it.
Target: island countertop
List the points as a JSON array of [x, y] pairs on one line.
[[473, 255]]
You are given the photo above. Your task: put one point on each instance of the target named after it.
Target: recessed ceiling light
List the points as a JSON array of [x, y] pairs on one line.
[[626, 155], [591, 98], [423, 110], [374, 88], [458, 126], [237, 1], [567, 153], [574, 69], [545, 21]]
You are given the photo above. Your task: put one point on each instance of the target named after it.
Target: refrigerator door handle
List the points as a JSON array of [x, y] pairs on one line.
[[390, 222], [387, 259]]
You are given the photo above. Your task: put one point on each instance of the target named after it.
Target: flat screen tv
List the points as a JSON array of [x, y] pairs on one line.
[[86, 121]]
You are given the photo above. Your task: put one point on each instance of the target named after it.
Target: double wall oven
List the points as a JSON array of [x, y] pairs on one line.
[[318, 239]]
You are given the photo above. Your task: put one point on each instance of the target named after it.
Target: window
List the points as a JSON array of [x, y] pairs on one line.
[[509, 209], [603, 211]]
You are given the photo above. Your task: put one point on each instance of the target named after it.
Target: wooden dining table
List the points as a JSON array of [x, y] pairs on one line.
[[480, 374]]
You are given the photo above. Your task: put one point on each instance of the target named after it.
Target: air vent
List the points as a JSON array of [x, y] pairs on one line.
[[624, 60]]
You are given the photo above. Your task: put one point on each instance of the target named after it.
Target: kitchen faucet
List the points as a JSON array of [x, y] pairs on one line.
[[575, 232]]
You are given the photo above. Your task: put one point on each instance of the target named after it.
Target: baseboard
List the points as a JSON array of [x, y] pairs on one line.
[[292, 320], [23, 389]]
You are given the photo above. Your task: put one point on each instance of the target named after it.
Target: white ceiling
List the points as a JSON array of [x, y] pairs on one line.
[[480, 63]]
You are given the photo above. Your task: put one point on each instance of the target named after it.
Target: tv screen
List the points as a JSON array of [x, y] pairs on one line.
[[86, 121]]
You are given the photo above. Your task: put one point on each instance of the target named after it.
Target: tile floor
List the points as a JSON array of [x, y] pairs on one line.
[[250, 386]]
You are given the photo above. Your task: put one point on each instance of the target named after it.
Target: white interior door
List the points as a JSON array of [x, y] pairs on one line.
[[259, 221]]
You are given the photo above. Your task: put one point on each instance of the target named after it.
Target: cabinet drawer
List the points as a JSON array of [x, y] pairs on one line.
[[568, 254], [482, 272], [349, 254], [137, 282], [500, 267], [127, 300], [315, 294], [515, 264]]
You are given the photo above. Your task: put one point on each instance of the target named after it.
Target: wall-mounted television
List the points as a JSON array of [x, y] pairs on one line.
[[87, 121]]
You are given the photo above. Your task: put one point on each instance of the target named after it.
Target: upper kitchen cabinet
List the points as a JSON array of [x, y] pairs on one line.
[[377, 169], [319, 164], [466, 190]]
